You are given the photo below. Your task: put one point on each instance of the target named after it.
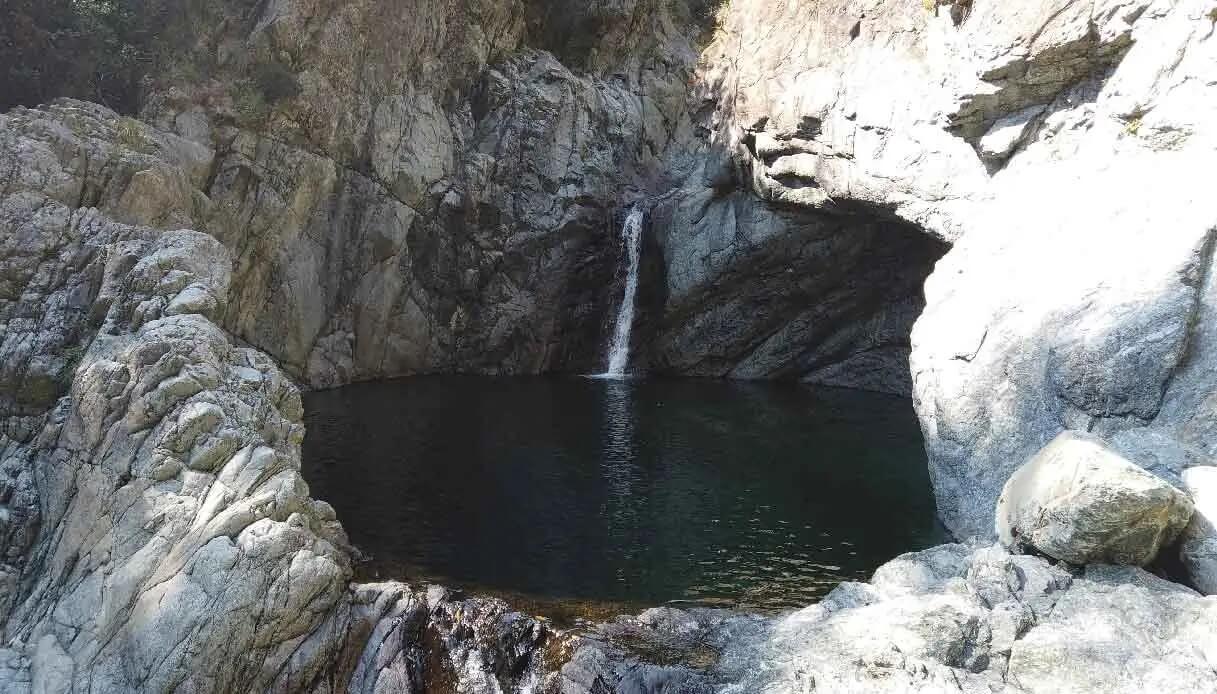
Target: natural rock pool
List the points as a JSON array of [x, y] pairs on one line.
[[620, 494]]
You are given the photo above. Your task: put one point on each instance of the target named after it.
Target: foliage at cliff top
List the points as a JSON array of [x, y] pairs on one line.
[[90, 49]]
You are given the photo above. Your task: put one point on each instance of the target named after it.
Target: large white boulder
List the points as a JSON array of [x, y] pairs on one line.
[[1079, 501]]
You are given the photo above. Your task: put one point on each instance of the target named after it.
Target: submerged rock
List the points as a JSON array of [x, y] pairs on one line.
[[1079, 501]]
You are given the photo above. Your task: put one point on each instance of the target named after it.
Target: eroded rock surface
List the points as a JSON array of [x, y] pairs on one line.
[[949, 619], [156, 533], [1060, 147]]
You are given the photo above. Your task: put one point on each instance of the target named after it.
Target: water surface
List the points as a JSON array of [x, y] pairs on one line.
[[621, 493]]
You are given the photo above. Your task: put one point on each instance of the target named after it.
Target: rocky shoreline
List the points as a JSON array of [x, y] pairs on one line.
[[166, 283]]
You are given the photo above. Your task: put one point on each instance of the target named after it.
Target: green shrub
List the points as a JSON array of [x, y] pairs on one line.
[[131, 134], [276, 82], [89, 49], [250, 106]]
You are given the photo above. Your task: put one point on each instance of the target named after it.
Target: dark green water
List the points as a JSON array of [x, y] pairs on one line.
[[762, 496]]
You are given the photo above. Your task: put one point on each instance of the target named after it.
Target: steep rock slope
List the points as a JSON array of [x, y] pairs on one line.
[[156, 533], [456, 205]]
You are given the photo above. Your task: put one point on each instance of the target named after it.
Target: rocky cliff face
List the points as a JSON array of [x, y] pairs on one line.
[[1060, 147], [156, 532], [414, 189], [335, 191], [456, 206]]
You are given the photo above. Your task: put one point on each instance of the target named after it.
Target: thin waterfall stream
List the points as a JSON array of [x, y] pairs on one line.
[[619, 348]]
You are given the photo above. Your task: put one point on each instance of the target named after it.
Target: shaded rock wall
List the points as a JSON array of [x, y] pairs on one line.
[[427, 193], [756, 290], [951, 619], [457, 206]]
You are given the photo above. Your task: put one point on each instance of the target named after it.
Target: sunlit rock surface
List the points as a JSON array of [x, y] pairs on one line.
[[1081, 502], [949, 619], [156, 533], [1061, 148]]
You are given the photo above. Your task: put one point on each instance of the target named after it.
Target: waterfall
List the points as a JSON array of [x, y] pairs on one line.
[[619, 348]]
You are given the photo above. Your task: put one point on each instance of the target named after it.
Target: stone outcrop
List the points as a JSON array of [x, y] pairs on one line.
[[1059, 147], [335, 191], [156, 533], [949, 619], [1081, 502]]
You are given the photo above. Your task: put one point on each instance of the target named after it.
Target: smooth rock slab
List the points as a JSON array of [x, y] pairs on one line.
[[1079, 501], [1119, 630]]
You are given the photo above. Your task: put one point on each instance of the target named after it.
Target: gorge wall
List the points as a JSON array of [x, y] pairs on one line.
[[376, 189], [455, 206], [1061, 148], [415, 188]]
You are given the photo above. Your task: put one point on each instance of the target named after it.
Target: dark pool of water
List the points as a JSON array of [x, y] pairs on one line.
[[762, 496]]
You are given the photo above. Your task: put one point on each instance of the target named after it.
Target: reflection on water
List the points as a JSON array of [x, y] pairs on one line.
[[621, 492], [618, 464]]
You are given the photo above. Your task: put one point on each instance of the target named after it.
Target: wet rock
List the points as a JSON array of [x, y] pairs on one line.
[[155, 532], [1079, 501], [661, 650]]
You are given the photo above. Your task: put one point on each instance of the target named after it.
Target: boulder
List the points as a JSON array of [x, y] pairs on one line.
[[1079, 501], [1198, 545]]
